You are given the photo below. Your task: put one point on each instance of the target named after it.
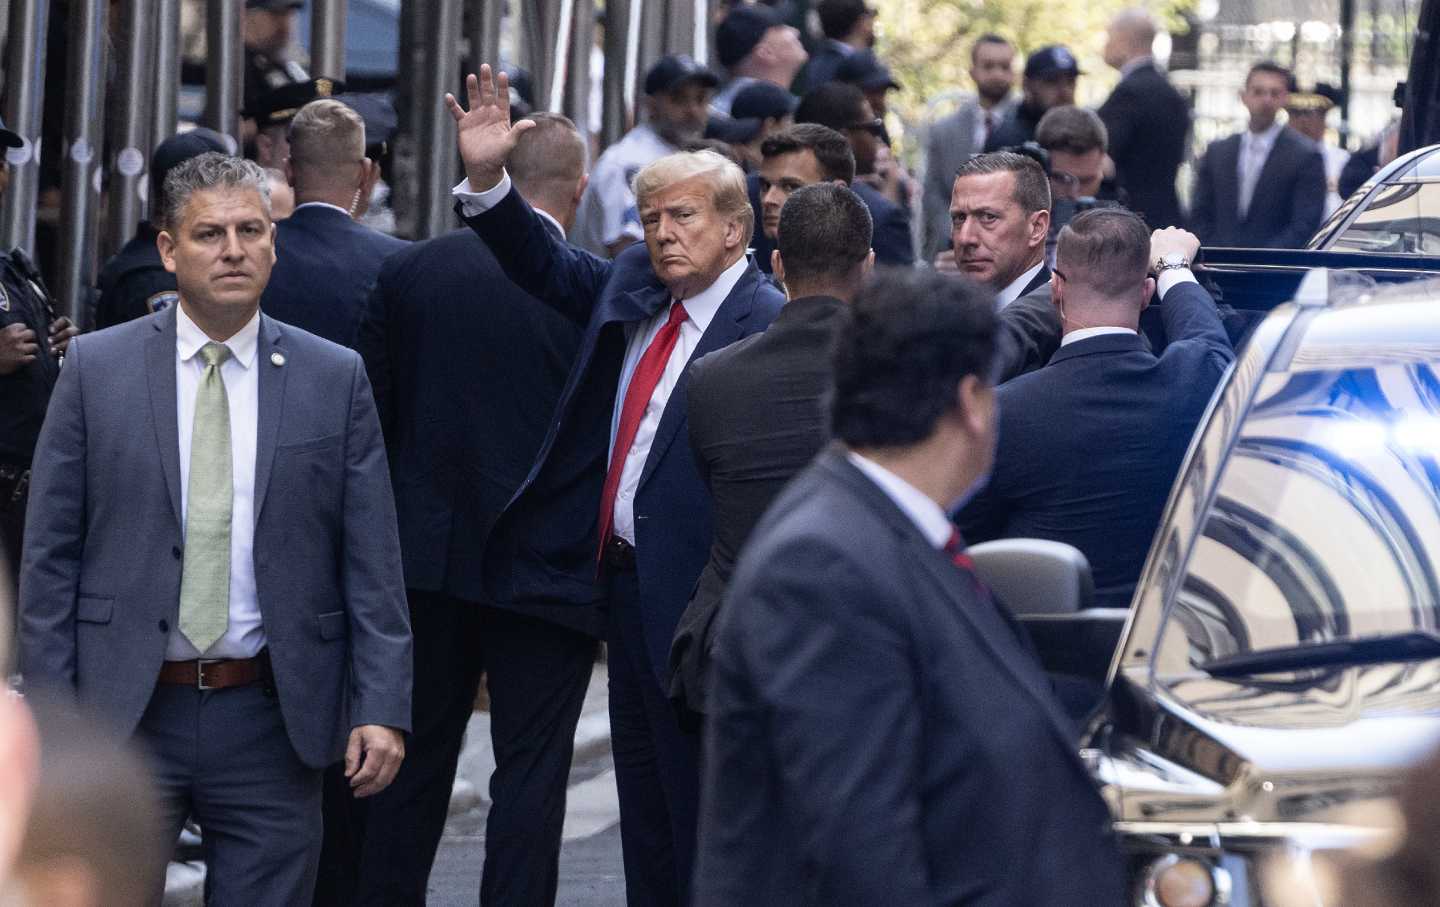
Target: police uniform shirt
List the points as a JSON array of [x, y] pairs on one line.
[[607, 211], [134, 283], [25, 392]]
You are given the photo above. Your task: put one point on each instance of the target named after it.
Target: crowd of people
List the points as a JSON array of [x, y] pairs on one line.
[[732, 400]]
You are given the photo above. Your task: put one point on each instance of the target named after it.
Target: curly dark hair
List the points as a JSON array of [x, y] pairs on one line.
[[912, 336]]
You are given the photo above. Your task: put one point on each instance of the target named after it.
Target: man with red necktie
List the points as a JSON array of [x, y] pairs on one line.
[[638, 503]]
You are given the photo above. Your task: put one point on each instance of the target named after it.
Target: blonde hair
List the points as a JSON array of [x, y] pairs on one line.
[[726, 182]]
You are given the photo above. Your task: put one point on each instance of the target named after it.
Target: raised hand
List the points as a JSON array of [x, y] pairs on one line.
[[484, 132]]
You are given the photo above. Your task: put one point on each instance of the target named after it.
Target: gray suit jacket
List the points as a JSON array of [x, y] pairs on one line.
[[100, 578], [951, 141]]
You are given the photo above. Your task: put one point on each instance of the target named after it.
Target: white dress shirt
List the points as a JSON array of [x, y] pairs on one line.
[[927, 516], [1255, 150], [323, 205], [245, 636], [1012, 292], [1087, 333]]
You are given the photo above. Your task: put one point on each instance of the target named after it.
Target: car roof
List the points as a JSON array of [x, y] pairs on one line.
[[1369, 326]]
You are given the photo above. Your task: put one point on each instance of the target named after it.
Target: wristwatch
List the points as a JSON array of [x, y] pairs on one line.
[[1172, 262]]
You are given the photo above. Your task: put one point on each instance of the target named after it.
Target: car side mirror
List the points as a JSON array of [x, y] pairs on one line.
[[1035, 576]]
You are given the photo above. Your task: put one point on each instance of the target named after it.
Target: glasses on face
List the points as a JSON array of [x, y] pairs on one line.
[[1065, 185], [875, 127]]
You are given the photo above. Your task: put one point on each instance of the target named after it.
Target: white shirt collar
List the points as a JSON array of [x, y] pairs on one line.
[[1136, 64], [927, 516], [189, 338], [1012, 292], [701, 307], [1087, 333], [1264, 139], [323, 205]]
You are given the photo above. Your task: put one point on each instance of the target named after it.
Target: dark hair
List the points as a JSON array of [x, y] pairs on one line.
[[832, 150], [988, 38], [913, 335], [838, 105], [824, 233], [1274, 69], [1032, 186], [1107, 249], [1073, 130], [838, 17]]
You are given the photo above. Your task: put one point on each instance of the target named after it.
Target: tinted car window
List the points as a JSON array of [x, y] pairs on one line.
[[1325, 520], [1401, 217]]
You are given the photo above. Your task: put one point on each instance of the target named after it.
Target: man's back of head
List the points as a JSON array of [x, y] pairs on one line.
[[1101, 266], [327, 153], [1129, 37], [823, 246], [847, 21], [548, 166]]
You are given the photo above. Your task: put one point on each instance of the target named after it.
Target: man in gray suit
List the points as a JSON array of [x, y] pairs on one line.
[[211, 560], [953, 139]]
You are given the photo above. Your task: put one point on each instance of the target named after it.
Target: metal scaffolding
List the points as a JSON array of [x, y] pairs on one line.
[[24, 106], [130, 128], [327, 38], [224, 66], [80, 173]]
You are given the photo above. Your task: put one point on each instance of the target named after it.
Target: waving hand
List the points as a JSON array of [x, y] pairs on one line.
[[484, 132]]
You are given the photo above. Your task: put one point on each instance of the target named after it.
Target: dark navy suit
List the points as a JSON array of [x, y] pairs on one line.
[[880, 732], [325, 265], [1090, 444], [655, 762], [1289, 200]]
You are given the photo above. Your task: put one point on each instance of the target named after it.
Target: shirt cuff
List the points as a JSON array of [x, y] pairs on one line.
[[1163, 284], [473, 203]]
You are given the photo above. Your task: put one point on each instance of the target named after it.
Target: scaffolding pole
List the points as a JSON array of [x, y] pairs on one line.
[[163, 119], [224, 66], [327, 38], [24, 106], [130, 125], [80, 179]]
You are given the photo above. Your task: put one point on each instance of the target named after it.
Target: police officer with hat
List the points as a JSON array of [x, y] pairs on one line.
[[32, 344], [273, 112], [134, 283], [269, 29]]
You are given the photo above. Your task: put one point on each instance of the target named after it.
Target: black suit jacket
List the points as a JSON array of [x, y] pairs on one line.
[[757, 418], [1289, 199], [672, 508], [881, 730], [1149, 126], [325, 267], [1029, 330], [464, 403], [891, 239], [1090, 445]]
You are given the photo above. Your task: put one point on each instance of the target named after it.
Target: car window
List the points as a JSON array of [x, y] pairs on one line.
[[1401, 217], [1326, 517]]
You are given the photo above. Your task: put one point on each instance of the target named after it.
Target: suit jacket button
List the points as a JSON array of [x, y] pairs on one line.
[[164, 626], [177, 552]]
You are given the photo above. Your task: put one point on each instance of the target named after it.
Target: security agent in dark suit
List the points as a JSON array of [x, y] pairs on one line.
[[1000, 217], [134, 282], [465, 402], [1090, 444], [215, 569], [756, 412], [326, 262], [1148, 121], [881, 729], [689, 291], [1264, 187], [843, 108], [796, 156]]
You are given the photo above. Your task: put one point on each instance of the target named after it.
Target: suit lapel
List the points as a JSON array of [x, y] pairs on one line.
[[1041, 278], [1270, 173], [1227, 175], [160, 367], [725, 328], [272, 399]]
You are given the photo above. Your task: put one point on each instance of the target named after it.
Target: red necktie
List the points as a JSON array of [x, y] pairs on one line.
[[637, 397], [955, 547]]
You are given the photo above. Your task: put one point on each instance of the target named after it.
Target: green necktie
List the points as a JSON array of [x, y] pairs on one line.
[[205, 575]]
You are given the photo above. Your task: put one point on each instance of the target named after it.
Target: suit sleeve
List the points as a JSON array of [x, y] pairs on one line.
[[372, 342], [696, 412], [837, 693], [1202, 202], [1029, 333], [938, 187], [893, 242], [381, 666], [55, 536], [563, 277], [1307, 202], [1118, 115], [1191, 320]]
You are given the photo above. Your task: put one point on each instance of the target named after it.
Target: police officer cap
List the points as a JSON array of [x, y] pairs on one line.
[[8, 138], [742, 29], [278, 107], [180, 148], [274, 6], [734, 131], [863, 69], [674, 70], [381, 119], [1051, 62], [763, 99]]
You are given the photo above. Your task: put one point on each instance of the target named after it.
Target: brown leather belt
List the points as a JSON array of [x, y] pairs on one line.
[[618, 554], [218, 673]]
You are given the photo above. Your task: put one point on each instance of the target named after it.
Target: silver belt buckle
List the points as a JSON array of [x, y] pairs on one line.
[[200, 664]]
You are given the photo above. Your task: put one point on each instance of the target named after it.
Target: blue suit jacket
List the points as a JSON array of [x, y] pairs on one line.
[[1090, 444], [100, 578], [325, 267], [673, 522], [879, 731]]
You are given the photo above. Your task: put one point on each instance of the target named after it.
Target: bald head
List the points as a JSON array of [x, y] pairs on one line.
[[548, 166], [1129, 36]]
